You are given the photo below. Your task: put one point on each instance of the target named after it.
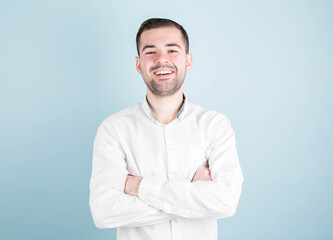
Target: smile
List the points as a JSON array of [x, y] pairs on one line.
[[163, 72]]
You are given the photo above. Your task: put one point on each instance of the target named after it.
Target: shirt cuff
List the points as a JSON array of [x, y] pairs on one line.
[[150, 189]]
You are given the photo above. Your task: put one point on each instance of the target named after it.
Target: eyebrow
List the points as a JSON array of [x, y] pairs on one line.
[[148, 46], [168, 45], [173, 45]]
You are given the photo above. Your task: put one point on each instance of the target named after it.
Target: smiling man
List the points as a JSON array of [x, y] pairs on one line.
[[163, 60], [166, 168]]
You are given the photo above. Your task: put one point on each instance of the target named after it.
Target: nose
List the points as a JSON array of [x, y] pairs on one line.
[[161, 58]]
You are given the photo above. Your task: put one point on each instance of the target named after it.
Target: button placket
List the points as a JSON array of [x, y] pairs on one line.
[[170, 151], [176, 228]]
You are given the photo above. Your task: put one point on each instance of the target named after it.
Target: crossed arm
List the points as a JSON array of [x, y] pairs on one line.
[[132, 184], [118, 199]]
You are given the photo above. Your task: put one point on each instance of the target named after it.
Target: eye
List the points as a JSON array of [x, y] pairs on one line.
[[150, 52], [172, 51]]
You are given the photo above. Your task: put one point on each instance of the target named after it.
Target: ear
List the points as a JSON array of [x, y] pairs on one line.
[[188, 61], [138, 66]]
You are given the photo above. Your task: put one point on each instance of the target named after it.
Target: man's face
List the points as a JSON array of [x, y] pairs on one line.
[[163, 61]]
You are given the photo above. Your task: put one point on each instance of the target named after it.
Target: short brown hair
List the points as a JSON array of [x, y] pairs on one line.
[[158, 23]]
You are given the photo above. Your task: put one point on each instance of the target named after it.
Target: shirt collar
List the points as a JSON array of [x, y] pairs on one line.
[[149, 112]]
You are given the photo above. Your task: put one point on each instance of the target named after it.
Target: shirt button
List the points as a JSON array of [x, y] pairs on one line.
[[173, 210], [170, 149], [147, 200], [172, 173], [175, 220]]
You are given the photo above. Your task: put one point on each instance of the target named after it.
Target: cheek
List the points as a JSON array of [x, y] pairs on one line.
[[181, 61], [144, 66], [182, 66]]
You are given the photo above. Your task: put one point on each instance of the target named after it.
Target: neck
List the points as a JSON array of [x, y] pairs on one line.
[[165, 108]]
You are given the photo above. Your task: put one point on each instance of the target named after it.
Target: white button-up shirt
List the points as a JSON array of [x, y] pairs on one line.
[[169, 206]]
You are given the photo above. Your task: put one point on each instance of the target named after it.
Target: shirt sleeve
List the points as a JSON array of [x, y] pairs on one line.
[[202, 199], [110, 206]]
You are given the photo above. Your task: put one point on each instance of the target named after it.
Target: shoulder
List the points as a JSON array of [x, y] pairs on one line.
[[207, 117], [216, 127]]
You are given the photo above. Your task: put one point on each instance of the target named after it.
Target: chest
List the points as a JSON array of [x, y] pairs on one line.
[[174, 151]]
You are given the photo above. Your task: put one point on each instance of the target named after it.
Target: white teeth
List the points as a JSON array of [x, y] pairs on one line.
[[162, 72]]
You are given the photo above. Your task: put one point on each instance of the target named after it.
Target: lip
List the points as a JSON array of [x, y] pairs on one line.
[[164, 75]]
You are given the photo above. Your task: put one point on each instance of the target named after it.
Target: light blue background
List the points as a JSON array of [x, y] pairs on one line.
[[67, 65]]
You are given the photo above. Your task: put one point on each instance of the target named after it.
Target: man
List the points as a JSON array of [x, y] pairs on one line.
[[164, 169]]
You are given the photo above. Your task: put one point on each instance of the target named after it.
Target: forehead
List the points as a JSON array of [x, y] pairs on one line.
[[161, 36]]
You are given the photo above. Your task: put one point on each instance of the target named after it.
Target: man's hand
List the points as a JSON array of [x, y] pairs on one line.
[[202, 174], [132, 185]]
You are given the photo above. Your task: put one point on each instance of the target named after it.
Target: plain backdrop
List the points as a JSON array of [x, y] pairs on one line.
[[67, 65]]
